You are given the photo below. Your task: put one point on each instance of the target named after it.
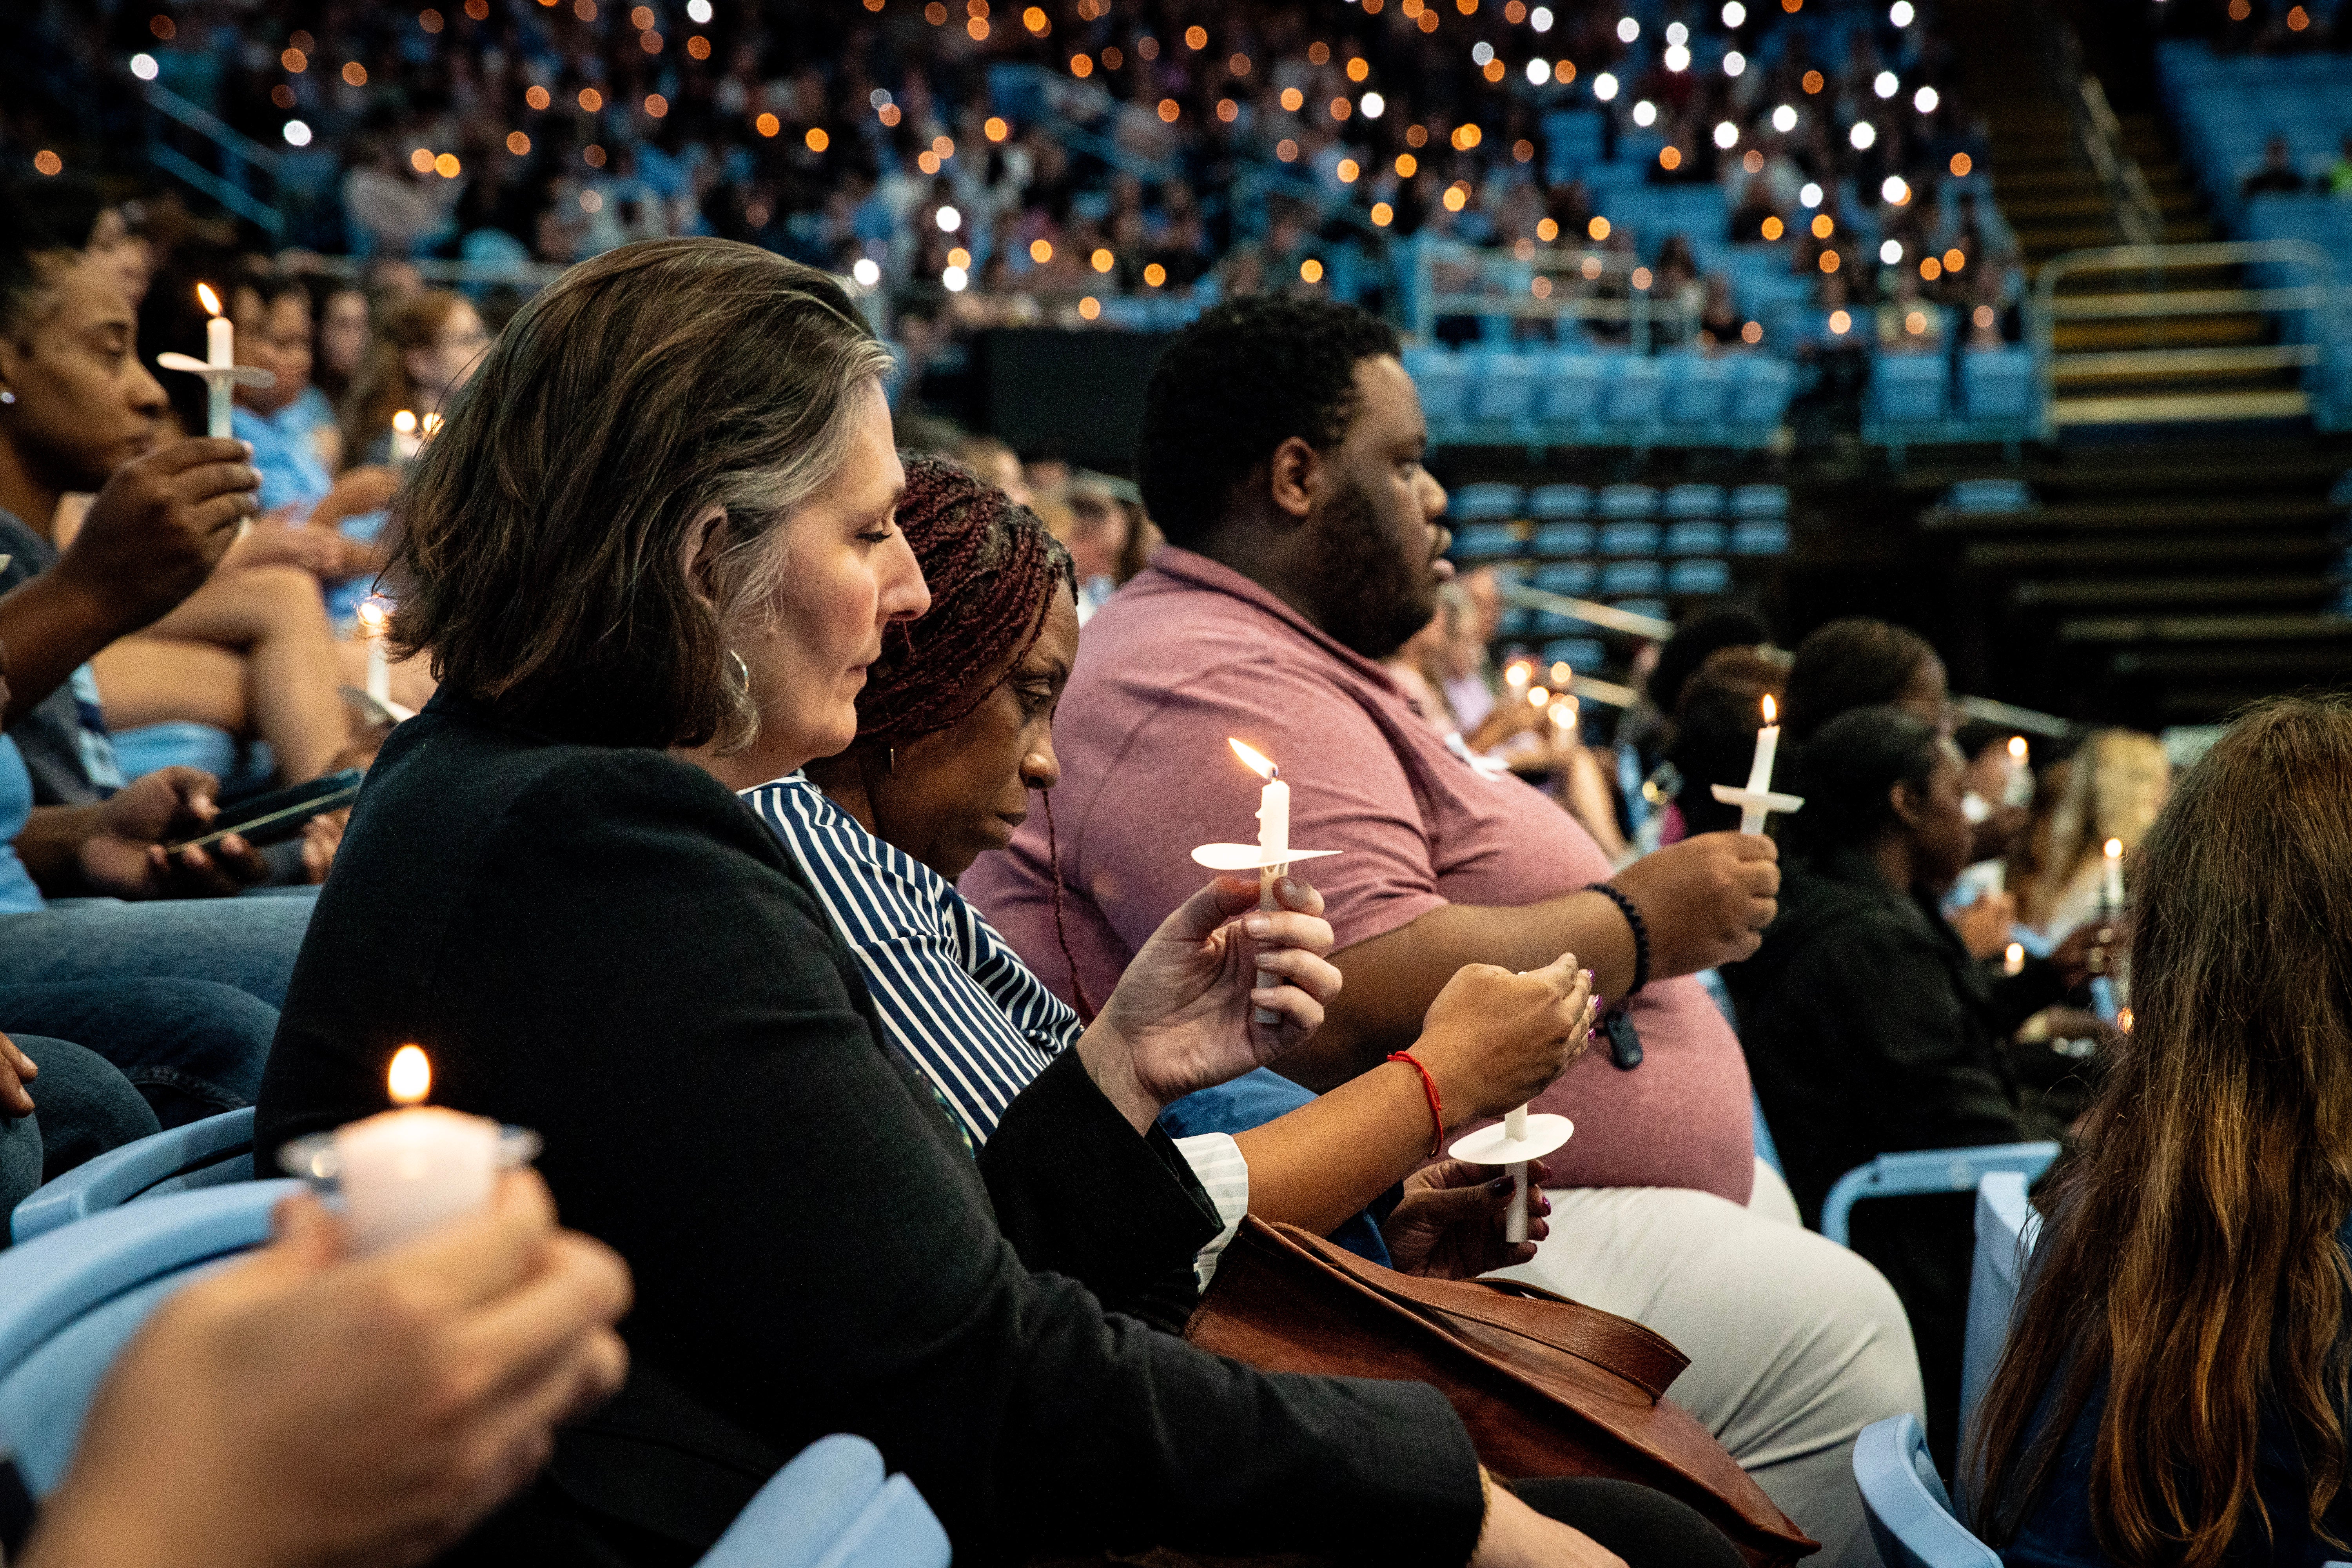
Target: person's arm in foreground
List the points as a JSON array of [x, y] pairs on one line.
[[115, 849], [150, 540], [303, 1409]]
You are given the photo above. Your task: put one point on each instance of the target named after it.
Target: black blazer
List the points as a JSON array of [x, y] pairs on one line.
[[605, 945]]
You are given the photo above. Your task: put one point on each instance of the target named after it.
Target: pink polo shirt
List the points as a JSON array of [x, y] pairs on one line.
[[1191, 653]]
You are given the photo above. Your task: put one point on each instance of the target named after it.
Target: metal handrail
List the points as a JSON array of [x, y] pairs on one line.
[[205, 122], [2318, 293]]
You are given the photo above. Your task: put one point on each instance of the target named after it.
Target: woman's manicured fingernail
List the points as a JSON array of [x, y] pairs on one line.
[[1257, 924]]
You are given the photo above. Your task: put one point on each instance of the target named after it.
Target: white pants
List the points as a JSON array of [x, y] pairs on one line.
[[1795, 1343]]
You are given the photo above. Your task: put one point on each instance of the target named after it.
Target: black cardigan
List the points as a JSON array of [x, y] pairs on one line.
[[606, 946]]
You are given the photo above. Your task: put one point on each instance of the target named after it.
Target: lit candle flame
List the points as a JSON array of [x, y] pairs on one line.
[[2114, 849], [431, 423], [210, 300], [1562, 676], [2124, 1019], [2017, 748], [405, 422], [411, 1078], [373, 617], [1771, 709], [1538, 697], [1256, 762], [1518, 674]]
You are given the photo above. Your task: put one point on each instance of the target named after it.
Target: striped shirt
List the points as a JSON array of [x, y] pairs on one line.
[[953, 995]]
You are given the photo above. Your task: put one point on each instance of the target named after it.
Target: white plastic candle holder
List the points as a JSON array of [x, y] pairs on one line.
[[219, 379], [1755, 804], [1541, 1133]]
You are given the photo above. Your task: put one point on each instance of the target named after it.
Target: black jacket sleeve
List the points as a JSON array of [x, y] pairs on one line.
[[624, 960]]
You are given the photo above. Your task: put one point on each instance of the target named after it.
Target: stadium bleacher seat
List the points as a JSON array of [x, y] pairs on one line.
[[1630, 538], [1577, 653], [1997, 385], [1568, 404], [1759, 400], [1503, 390], [1907, 390], [1698, 576], [1760, 536], [1442, 382], [1926, 1171], [1636, 397], [1484, 502], [1550, 502], [1628, 500], [1619, 578], [1688, 500], [1760, 500], [1697, 538], [1909, 1511], [1573, 578], [2006, 1229], [1484, 542], [1698, 395], [1561, 541], [208, 1153], [1990, 495]]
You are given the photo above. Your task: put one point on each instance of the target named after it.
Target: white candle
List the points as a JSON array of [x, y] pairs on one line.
[[2113, 889], [1273, 842], [402, 1172], [1515, 1128], [2018, 789], [1759, 771], [374, 621], [220, 353], [2012, 960], [405, 442]]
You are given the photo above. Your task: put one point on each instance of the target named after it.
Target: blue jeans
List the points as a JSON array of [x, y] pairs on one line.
[[193, 1047], [82, 1108], [248, 943]]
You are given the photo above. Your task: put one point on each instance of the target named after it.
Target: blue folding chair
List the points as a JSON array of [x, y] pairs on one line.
[[2007, 1227], [206, 1154], [1909, 1512], [1915, 1172], [71, 1299]]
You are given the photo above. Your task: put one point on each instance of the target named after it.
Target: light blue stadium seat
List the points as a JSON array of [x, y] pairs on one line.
[[1760, 399], [1907, 389], [1573, 578], [1560, 540], [1636, 392], [1909, 1511], [1484, 542], [2007, 1227], [1698, 576], [1760, 500], [1998, 385], [206, 1154], [1696, 501], [1631, 539], [1629, 501], [1502, 388], [1698, 395], [1990, 495], [1760, 536], [1568, 401], [1697, 538], [242, 767], [1920, 1170], [1442, 382], [1619, 578], [71, 1298], [1548, 503], [1473, 503], [1577, 653]]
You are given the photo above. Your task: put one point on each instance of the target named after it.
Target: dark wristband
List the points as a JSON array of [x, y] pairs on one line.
[[1634, 922]]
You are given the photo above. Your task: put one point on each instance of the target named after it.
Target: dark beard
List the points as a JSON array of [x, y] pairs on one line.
[[1367, 597]]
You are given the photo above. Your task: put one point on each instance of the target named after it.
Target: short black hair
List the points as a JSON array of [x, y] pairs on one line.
[[39, 221], [1244, 378], [1848, 771], [1851, 663], [1695, 641]]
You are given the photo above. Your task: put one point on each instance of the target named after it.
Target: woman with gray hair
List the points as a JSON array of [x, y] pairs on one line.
[[661, 517]]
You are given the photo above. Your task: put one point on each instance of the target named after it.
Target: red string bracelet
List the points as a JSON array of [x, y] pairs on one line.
[[1436, 1106]]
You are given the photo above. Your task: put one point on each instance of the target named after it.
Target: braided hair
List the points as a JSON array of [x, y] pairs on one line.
[[992, 567]]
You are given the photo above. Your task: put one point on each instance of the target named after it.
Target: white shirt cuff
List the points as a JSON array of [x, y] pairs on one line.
[[1224, 1173]]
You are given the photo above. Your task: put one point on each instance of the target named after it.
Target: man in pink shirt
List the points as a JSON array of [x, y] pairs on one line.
[[1281, 452]]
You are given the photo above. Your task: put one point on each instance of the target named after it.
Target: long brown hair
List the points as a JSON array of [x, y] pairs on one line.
[[538, 541], [2188, 1259], [381, 387]]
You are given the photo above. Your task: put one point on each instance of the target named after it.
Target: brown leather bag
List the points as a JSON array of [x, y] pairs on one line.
[[1546, 1385]]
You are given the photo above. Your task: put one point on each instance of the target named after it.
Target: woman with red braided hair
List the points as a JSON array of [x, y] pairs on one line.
[[954, 731]]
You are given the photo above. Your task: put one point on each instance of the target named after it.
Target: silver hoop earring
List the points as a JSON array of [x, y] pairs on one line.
[[7, 397], [742, 671]]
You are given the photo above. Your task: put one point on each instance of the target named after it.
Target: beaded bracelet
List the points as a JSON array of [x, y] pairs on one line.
[[1436, 1107], [1641, 937]]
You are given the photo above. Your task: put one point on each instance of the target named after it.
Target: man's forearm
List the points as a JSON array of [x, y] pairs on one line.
[[1392, 979], [50, 629]]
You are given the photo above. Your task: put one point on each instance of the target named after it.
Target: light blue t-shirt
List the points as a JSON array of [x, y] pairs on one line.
[[17, 894]]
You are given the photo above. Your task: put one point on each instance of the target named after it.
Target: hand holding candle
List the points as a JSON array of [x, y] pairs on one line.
[[218, 367], [1273, 842]]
